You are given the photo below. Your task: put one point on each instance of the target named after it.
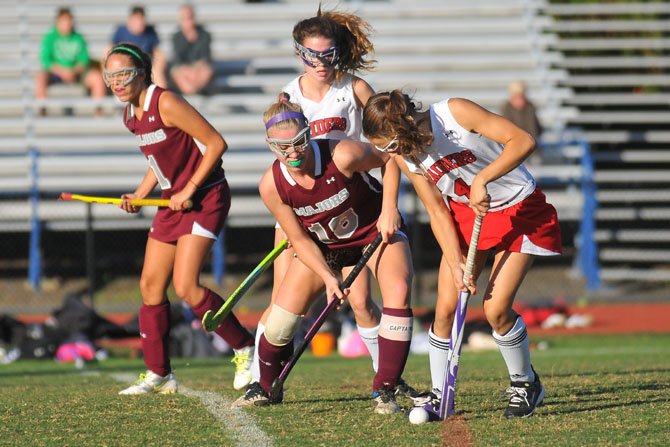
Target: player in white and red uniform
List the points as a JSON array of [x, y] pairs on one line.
[[332, 98], [328, 205], [465, 161], [184, 155], [337, 113]]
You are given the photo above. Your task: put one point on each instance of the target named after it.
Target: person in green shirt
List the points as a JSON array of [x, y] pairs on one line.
[[64, 58]]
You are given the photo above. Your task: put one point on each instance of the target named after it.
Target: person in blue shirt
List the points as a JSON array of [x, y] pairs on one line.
[[144, 35]]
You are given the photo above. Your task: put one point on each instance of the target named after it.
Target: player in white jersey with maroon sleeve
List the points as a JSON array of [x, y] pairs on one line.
[[333, 46], [465, 161], [183, 152]]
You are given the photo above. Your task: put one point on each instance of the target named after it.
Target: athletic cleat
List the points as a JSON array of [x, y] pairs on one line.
[[428, 398], [150, 382], [385, 399], [524, 398], [255, 395], [242, 359], [403, 389]]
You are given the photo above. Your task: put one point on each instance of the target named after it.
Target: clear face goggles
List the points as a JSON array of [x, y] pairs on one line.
[[391, 146], [312, 58], [296, 144], [123, 76]]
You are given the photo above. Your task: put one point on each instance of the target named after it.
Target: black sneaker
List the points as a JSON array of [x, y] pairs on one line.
[[524, 397], [385, 399], [403, 389], [255, 395]]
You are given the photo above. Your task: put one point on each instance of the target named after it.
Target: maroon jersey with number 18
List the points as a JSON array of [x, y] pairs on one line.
[[338, 211]]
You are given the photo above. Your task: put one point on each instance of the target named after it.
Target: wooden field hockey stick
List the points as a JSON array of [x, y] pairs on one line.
[[188, 204], [457, 328], [211, 321], [278, 383]]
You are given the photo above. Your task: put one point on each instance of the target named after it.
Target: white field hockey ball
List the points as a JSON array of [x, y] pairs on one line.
[[418, 415]]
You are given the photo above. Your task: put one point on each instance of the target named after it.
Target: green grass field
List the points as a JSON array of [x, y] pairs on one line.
[[601, 390]]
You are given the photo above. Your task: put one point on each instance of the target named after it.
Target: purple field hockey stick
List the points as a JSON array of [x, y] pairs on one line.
[[457, 329], [278, 383]]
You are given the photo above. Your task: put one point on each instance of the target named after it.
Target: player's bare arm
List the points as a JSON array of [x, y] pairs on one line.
[[145, 187], [176, 112], [389, 219], [518, 145], [362, 91], [441, 221], [354, 156], [305, 248]]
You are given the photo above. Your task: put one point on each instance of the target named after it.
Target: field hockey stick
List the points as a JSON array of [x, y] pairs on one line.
[[457, 328], [278, 383], [211, 321], [188, 204]]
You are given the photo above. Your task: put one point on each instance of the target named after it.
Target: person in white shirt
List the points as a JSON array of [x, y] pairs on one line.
[[465, 161]]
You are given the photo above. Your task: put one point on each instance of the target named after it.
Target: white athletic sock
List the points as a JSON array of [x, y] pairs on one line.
[[515, 349], [438, 355], [255, 367], [369, 336]]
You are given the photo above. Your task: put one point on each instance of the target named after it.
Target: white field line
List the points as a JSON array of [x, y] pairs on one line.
[[235, 423]]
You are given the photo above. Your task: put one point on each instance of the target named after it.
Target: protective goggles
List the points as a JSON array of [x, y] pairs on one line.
[[123, 76], [296, 144], [392, 146], [312, 58]]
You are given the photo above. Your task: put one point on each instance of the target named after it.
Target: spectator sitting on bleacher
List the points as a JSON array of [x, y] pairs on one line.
[[521, 111], [191, 66], [64, 58], [138, 31]]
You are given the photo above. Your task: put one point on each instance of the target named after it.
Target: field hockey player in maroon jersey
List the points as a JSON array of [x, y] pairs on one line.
[[171, 133], [333, 46], [324, 199]]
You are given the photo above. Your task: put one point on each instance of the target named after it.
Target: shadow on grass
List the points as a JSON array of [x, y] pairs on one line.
[[326, 400], [581, 400], [554, 409], [626, 373]]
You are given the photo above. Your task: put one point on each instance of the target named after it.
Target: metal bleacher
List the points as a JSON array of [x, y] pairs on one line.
[[617, 58], [436, 49], [433, 49]]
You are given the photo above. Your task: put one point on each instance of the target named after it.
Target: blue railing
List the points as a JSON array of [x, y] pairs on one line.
[[35, 250], [588, 248], [585, 242]]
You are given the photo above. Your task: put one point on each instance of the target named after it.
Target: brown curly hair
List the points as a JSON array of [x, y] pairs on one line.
[[349, 33], [389, 115]]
